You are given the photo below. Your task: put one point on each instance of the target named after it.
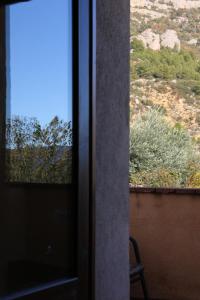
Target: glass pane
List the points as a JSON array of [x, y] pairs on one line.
[[39, 89], [38, 222]]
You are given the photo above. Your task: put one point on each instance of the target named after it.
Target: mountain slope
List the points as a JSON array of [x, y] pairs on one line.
[[157, 80]]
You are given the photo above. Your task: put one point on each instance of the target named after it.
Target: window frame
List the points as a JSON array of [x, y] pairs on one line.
[[83, 62]]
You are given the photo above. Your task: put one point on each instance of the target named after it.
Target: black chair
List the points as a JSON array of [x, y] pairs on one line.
[[136, 267]]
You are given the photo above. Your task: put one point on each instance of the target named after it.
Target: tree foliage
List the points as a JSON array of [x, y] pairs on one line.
[[36, 153], [165, 64], [161, 155]]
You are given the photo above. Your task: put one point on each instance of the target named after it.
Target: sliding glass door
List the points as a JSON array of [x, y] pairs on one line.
[[44, 254]]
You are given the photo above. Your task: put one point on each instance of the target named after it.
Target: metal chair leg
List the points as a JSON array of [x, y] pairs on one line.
[[136, 271], [144, 287]]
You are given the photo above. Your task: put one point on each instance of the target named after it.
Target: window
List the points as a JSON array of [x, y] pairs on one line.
[[45, 157], [165, 94], [38, 230], [39, 92]]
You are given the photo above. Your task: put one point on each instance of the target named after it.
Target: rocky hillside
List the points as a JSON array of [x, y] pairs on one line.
[[166, 4], [165, 60]]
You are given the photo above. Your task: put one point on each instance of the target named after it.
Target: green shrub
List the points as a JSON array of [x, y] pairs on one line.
[[196, 90], [157, 178], [194, 181], [165, 64], [186, 89], [156, 145], [137, 45]]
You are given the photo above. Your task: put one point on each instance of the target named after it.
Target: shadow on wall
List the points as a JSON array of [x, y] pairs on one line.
[[167, 227]]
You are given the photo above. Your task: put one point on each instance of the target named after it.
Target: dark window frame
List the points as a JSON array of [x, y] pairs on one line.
[[84, 19]]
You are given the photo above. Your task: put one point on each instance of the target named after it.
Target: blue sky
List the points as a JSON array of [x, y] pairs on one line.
[[39, 68]]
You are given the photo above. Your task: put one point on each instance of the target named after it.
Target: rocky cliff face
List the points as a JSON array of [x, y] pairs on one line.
[[168, 39], [150, 39], [172, 24], [166, 4]]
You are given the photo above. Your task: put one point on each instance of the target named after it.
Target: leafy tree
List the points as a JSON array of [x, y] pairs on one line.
[[39, 154]]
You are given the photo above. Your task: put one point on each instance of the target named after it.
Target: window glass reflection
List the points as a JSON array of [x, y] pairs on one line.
[[38, 222], [39, 92]]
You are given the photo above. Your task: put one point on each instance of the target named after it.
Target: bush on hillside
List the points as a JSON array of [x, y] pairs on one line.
[[160, 155], [194, 180], [165, 64]]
